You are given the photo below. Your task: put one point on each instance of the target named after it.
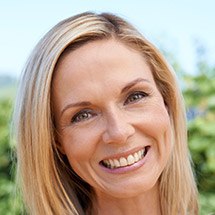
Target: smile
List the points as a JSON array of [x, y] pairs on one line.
[[125, 161]]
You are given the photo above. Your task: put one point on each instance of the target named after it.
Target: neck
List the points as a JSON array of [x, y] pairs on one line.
[[145, 203]]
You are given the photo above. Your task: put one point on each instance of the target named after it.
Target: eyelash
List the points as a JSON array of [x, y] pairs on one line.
[[135, 97], [83, 115], [76, 118]]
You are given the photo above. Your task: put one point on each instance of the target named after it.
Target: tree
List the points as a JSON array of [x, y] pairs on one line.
[[9, 204], [199, 93]]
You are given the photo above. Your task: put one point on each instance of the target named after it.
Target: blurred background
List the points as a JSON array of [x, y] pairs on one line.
[[183, 30]]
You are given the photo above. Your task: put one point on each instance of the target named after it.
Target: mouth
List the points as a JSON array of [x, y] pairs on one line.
[[125, 161]]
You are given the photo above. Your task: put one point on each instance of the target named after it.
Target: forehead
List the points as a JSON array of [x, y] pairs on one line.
[[100, 66], [100, 58]]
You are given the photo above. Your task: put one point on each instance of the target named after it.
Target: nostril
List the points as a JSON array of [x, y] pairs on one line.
[[117, 135]]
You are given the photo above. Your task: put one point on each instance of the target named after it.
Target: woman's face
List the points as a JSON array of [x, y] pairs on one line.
[[112, 122]]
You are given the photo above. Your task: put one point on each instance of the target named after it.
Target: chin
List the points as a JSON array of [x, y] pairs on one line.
[[131, 188]]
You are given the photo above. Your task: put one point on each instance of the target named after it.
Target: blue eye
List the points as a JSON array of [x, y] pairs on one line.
[[82, 116], [135, 97]]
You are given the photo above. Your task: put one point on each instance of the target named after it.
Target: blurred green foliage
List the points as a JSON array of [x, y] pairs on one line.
[[8, 201], [200, 99], [199, 93]]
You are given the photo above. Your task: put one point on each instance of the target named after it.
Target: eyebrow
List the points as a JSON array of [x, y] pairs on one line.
[[87, 103], [133, 83], [78, 104]]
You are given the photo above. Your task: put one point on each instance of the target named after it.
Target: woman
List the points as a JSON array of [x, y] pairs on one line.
[[100, 124]]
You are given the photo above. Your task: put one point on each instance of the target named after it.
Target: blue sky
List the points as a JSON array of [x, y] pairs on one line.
[[174, 25]]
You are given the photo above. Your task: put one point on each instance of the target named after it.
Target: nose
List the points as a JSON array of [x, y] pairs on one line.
[[118, 129]]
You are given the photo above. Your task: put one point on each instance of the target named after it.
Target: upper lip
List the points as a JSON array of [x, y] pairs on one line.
[[124, 154]]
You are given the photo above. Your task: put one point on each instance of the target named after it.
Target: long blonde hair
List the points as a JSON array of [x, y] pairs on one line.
[[47, 182]]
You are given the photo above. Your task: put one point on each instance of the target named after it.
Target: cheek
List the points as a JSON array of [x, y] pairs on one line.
[[155, 123], [162, 132], [80, 149], [79, 145]]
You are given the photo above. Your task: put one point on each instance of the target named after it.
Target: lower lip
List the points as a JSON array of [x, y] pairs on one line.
[[126, 169]]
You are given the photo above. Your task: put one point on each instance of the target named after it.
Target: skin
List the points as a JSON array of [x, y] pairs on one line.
[[107, 105]]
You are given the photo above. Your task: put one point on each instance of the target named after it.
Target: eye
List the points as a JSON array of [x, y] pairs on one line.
[[135, 97], [83, 115]]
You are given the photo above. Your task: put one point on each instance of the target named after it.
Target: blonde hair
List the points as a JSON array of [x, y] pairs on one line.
[[48, 184]]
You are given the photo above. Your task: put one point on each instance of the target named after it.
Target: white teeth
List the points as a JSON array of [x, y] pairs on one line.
[[131, 159], [123, 162], [140, 154], [116, 163], [111, 163], [136, 157]]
